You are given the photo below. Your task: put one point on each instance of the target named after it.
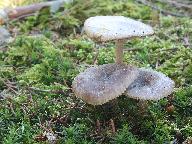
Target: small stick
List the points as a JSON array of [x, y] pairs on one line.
[[132, 49], [98, 126], [12, 109], [95, 58], [176, 4], [46, 129], [112, 126], [23, 11], [159, 9]]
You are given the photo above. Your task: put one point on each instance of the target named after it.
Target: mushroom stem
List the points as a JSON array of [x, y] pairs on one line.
[[143, 105], [119, 51]]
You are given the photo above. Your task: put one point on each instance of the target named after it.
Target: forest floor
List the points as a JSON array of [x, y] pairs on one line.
[[48, 50]]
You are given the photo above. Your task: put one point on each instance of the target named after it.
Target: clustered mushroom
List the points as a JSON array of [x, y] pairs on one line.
[[100, 84]]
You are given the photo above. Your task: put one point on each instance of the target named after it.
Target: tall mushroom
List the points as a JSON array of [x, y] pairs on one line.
[[118, 28]]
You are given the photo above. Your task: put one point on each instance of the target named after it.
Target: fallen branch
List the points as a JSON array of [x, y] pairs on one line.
[[165, 12], [47, 91], [184, 1], [21, 11], [176, 4], [10, 86]]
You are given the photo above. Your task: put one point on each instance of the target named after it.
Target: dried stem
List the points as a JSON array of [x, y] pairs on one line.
[[119, 51], [112, 126], [28, 10], [176, 4], [165, 12]]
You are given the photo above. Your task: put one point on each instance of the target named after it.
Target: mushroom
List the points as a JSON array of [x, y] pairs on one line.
[[118, 28], [100, 84], [91, 85], [150, 85]]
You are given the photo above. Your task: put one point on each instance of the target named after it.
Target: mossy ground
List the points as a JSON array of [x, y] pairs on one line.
[[38, 67]]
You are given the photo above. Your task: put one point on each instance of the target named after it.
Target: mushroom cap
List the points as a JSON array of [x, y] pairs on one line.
[[106, 28], [97, 85], [150, 85]]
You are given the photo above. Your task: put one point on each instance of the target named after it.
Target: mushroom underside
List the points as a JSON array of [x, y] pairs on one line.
[[150, 85], [97, 85]]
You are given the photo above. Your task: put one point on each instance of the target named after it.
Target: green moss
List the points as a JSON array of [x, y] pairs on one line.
[[38, 67]]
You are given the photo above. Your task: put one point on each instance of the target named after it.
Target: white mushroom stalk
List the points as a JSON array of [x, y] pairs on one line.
[[119, 51], [150, 85]]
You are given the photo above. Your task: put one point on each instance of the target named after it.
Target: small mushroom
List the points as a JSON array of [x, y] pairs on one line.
[[150, 85], [97, 85], [100, 84], [119, 28]]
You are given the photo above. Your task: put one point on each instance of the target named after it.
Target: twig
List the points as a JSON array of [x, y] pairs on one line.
[[169, 49], [46, 129], [12, 110], [160, 9], [112, 126], [157, 64], [98, 125], [48, 91], [23, 17], [184, 1], [37, 89], [132, 49], [176, 4], [95, 58], [23, 11]]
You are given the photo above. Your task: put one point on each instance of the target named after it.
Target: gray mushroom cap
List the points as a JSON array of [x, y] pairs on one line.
[[106, 28], [97, 85], [150, 85]]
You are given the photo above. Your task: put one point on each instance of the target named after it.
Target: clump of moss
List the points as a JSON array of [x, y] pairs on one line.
[[36, 71]]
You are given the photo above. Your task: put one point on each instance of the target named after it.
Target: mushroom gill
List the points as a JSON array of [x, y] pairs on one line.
[[97, 85], [150, 85]]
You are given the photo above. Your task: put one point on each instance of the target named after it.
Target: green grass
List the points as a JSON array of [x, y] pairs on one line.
[[36, 73]]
